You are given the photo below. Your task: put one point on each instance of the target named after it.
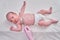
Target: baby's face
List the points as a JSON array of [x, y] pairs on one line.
[[13, 18]]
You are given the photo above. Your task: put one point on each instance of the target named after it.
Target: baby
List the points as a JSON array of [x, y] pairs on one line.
[[29, 19]]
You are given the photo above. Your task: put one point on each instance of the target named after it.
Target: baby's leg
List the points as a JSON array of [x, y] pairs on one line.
[[44, 23], [47, 23], [43, 12]]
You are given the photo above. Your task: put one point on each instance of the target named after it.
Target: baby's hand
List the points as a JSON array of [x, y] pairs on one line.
[[14, 29], [24, 2]]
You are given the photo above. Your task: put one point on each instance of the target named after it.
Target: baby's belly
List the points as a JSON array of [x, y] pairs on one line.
[[28, 19]]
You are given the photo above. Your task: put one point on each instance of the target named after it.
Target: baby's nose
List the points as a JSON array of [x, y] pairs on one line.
[[12, 20]]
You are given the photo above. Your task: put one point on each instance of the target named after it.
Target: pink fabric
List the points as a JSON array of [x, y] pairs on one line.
[[28, 33]]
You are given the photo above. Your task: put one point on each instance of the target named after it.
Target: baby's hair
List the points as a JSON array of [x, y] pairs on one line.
[[9, 13]]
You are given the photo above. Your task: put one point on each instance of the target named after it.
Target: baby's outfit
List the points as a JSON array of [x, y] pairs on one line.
[[38, 17]]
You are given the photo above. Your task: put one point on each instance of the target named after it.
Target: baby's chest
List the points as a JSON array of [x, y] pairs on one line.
[[28, 19]]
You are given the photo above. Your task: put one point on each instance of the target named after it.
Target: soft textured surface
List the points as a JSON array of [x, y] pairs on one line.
[[49, 33], [36, 35]]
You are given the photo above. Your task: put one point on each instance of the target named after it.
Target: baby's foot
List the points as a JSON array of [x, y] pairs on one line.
[[54, 21]]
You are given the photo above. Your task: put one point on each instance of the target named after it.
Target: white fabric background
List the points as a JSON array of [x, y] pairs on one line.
[[49, 33]]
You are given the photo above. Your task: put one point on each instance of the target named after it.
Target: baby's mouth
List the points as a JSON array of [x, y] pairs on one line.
[[15, 21]]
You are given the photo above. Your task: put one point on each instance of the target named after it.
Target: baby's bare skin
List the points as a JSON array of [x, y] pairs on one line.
[[43, 12], [26, 19]]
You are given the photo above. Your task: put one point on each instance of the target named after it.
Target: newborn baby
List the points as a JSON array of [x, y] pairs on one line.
[[28, 19]]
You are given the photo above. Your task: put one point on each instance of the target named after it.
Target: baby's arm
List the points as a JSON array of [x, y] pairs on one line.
[[19, 27], [22, 9], [47, 23]]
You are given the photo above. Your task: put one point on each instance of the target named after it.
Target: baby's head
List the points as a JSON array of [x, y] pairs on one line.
[[12, 17]]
